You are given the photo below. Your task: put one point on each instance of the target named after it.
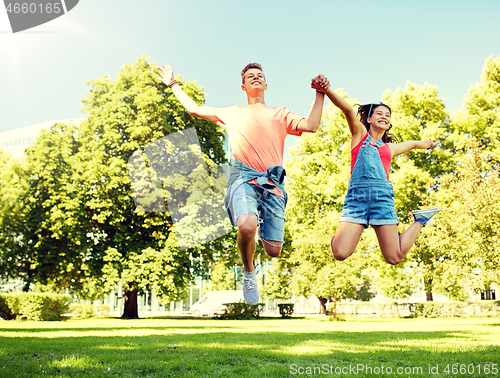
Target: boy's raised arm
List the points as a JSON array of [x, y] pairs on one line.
[[206, 112], [311, 123]]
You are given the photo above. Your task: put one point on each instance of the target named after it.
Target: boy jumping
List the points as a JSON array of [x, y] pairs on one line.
[[256, 196]]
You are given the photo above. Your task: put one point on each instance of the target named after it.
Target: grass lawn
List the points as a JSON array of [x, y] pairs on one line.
[[251, 348]]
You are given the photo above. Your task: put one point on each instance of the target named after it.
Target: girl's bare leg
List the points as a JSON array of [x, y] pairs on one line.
[[394, 247], [346, 239]]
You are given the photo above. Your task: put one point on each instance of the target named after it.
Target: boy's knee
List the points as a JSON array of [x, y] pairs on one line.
[[274, 252], [248, 229], [272, 248]]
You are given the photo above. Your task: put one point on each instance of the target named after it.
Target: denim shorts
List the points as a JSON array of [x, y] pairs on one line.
[[245, 198], [370, 205]]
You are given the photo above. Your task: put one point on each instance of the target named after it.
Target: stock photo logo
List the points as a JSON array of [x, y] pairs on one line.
[[29, 14], [171, 175]]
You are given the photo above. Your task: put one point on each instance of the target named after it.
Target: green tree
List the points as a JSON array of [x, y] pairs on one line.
[[12, 192], [278, 280], [45, 224], [319, 170], [317, 273], [397, 281], [470, 236], [480, 114], [123, 116], [221, 277]]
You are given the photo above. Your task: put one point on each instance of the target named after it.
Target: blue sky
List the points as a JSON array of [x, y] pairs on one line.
[[362, 46]]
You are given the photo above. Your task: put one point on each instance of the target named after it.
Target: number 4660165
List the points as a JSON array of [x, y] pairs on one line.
[[33, 7], [471, 369]]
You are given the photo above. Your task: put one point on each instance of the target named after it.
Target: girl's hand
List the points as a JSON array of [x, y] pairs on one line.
[[431, 144], [320, 83], [166, 74]]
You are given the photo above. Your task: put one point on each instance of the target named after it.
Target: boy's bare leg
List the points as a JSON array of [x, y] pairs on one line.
[[247, 227], [272, 248]]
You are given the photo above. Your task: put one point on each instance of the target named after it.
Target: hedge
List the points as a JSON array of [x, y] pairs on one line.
[[84, 311], [437, 309], [240, 310], [33, 306], [421, 309]]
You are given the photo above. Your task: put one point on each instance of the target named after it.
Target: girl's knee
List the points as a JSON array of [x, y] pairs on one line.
[[339, 255], [393, 260], [392, 255]]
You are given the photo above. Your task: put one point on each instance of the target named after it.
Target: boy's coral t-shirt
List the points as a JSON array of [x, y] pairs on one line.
[[257, 133]]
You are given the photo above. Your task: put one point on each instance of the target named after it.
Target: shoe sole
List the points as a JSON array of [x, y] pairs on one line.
[[426, 211]]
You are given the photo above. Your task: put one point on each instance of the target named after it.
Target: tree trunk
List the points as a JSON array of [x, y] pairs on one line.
[[130, 306], [334, 308], [322, 303], [26, 287], [428, 289]]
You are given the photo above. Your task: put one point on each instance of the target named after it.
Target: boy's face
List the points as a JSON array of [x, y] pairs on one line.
[[253, 79]]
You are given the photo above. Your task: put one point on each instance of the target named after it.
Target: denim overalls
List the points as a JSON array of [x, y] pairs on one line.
[[370, 195]]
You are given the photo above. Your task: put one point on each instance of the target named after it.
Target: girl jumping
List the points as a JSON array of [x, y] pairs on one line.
[[370, 194]]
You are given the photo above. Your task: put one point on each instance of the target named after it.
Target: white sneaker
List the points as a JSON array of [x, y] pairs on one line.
[[250, 290], [425, 215]]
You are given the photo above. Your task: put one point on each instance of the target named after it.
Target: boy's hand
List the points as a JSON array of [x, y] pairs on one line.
[[320, 83], [166, 74]]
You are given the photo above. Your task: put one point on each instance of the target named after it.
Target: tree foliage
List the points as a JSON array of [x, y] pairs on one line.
[[480, 114], [468, 231], [79, 226], [221, 277]]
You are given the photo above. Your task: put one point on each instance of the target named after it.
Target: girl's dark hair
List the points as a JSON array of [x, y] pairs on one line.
[[366, 111]]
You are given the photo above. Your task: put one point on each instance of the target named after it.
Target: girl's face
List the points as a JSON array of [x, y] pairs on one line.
[[380, 118]]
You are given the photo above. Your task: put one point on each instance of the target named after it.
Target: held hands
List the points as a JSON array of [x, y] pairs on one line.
[[166, 74], [320, 83]]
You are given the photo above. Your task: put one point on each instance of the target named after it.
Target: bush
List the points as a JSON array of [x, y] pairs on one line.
[[5, 311], [437, 309], [240, 310], [37, 306], [84, 311], [286, 310], [430, 309]]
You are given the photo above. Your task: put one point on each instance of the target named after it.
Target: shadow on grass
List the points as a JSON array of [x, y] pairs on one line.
[[215, 324], [211, 351]]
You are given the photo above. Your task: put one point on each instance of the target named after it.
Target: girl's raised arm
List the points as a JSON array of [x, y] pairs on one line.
[[357, 129]]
